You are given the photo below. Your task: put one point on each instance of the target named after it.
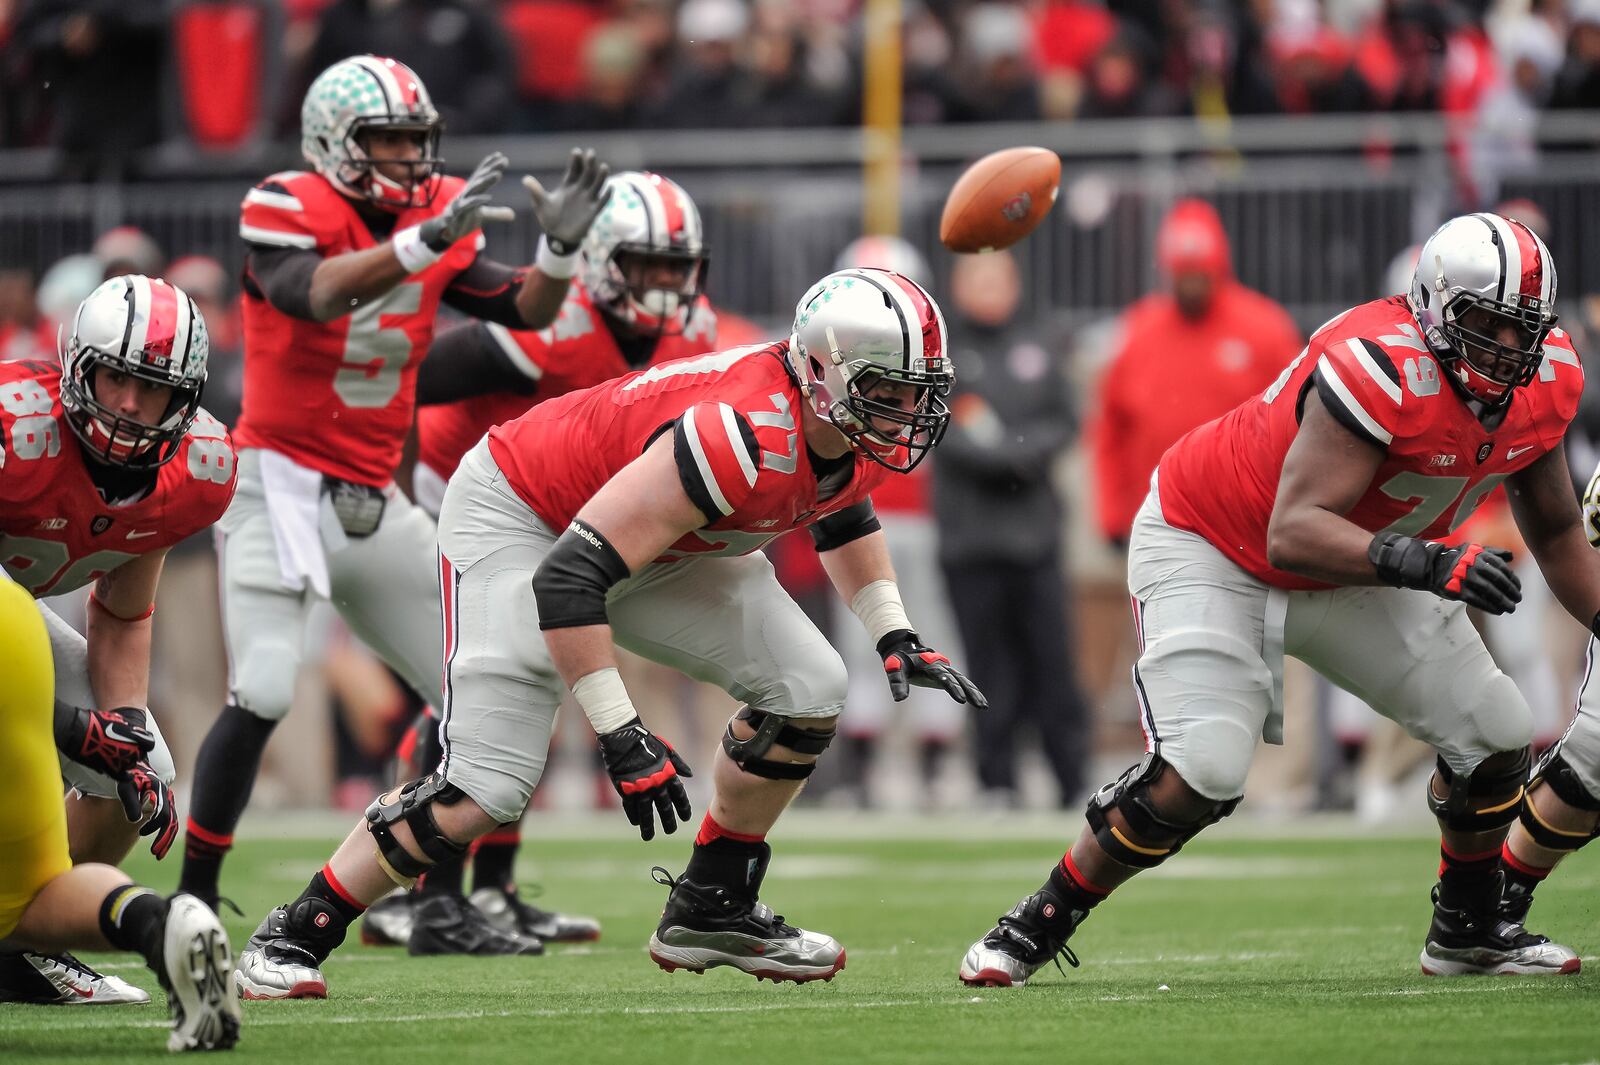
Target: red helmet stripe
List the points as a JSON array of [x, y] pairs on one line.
[[932, 336], [1532, 280], [405, 80], [671, 203], [162, 328]]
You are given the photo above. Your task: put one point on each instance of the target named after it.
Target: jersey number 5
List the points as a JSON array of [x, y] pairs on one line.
[[373, 354]]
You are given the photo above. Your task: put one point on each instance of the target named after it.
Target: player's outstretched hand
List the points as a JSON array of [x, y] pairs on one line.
[[908, 662], [471, 207], [648, 774], [107, 741], [143, 792], [1471, 573], [566, 214]]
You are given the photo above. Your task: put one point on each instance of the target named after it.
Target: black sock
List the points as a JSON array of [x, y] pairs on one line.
[[132, 917], [444, 879], [493, 864], [1468, 881], [224, 774], [931, 754], [734, 864], [1077, 891], [343, 904]]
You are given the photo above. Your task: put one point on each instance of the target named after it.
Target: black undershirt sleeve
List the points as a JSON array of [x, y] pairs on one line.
[[841, 527], [282, 277], [488, 290], [468, 361]]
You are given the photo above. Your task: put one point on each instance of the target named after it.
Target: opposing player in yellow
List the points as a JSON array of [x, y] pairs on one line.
[[47, 903]]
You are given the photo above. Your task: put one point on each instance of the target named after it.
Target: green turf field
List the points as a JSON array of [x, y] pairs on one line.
[[1244, 949]]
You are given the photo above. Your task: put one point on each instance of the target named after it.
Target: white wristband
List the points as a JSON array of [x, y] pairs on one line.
[[879, 607], [412, 253], [604, 700], [550, 264]]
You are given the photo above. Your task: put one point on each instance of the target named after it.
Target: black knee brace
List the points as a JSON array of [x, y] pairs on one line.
[[771, 729], [1482, 802], [1554, 772], [414, 806], [1130, 794]]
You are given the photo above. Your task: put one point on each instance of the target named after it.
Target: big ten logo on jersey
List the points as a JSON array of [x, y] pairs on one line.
[[376, 352], [210, 456], [34, 430]]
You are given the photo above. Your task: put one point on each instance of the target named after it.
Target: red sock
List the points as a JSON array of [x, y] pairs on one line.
[[710, 830]]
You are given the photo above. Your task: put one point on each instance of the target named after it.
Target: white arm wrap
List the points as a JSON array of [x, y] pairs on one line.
[[412, 253], [552, 265], [879, 607], [604, 700]]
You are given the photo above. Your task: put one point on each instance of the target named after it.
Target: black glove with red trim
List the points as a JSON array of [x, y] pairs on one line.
[[908, 662], [646, 772], [141, 791], [107, 741], [1471, 573]]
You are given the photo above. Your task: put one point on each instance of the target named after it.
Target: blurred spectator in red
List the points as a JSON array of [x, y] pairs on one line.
[[206, 282], [457, 48], [1577, 85], [614, 65], [1316, 74], [24, 332], [1401, 54], [95, 55], [1067, 35], [129, 250], [1121, 81], [1188, 354], [1215, 60]]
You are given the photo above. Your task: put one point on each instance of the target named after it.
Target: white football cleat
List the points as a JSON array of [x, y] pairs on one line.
[[61, 980], [274, 965], [196, 964]]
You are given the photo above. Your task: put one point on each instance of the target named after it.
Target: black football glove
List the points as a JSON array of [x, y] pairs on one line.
[[1471, 573], [107, 741], [908, 662], [646, 772], [566, 214], [140, 788], [470, 209]]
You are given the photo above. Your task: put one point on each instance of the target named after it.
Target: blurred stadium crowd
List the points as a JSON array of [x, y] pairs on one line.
[[1097, 403], [231, 72]]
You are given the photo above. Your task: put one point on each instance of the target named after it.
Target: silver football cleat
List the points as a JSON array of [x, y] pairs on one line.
[[785, 953], [1537, 959], [274, 966], [61, 980], [389, 921], [509, 913], [987, 966], [196, 970]]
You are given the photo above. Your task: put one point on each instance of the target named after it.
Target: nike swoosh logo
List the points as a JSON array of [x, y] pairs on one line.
[[80, 992], [1511, 456], [141, 535]]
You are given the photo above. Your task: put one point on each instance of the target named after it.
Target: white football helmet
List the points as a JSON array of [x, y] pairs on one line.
[[644, 260], [362, 93], [146, 328], [858, 330], [1478, 277]]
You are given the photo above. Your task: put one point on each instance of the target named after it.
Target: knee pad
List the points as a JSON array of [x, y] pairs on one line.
[[414, 806], [1147, 825], [1482, 801], [1554, 772], [771, 729]]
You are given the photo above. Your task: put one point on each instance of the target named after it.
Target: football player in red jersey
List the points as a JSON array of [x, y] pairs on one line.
[[632, 511], [346, 268], [1307, 522], [106, 461], [636, 302]]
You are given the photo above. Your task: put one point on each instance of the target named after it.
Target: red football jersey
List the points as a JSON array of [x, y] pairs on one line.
[[337, 396], [56, 533], [742, 457], [575, 351], [1375, 374]]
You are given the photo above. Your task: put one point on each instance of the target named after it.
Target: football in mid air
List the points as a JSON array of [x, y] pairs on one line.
[[1000, 199]]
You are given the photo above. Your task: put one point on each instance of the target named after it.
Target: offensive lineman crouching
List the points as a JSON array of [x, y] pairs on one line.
[[1306, 522], [665, 482]]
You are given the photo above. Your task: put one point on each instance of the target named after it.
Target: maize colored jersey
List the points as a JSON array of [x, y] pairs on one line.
[[1373, 371]]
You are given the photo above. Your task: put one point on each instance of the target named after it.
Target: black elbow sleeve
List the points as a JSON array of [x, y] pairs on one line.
[[851, 523], [571, 583]]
